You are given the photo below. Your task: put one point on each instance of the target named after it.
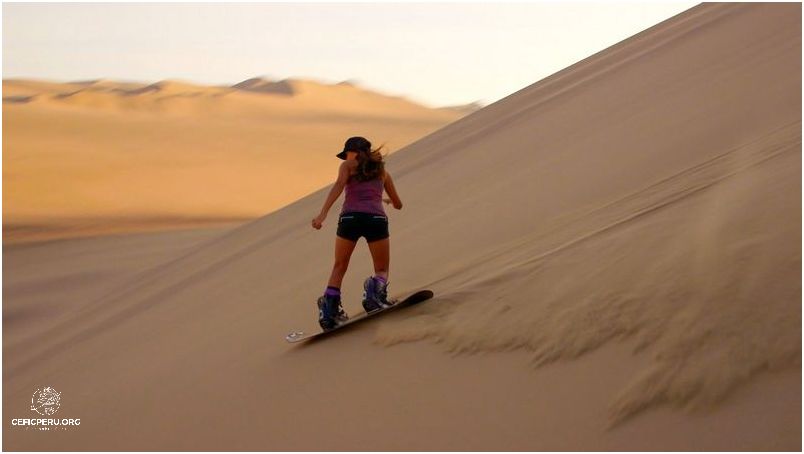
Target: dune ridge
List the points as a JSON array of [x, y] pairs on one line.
[[764, 155], [700, 358]]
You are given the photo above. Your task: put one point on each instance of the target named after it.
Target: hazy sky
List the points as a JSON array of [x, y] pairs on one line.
[[434, 53]]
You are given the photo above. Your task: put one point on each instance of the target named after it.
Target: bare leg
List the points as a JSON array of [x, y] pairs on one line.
[[381, 254], [343, 252]]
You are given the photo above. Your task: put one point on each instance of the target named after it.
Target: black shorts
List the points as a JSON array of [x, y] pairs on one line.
[[353, 225]]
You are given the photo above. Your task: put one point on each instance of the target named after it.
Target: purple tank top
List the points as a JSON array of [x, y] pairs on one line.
[[363, 196]]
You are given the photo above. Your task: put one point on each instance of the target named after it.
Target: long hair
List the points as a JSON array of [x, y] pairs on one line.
[[370, 164]]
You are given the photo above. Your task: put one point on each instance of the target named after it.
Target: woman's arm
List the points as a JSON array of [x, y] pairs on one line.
[[334, 193], [391, 190]]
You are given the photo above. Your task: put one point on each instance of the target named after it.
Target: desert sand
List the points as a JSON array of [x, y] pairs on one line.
[[103, 156], [615, 252]]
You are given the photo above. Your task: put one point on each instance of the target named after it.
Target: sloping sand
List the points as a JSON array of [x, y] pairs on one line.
[[99, 157], [615, 252]]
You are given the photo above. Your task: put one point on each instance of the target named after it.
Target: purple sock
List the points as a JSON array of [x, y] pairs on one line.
[[332, 291], [379, 278]]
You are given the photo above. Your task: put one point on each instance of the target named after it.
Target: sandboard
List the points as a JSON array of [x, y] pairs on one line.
[[415, 298]]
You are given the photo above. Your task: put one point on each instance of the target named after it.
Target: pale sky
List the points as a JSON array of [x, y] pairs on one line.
[[434, 53]]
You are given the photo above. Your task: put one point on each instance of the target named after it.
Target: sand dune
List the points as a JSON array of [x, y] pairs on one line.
[[615, 252], [260, 85], [90, 157], [56, 277]]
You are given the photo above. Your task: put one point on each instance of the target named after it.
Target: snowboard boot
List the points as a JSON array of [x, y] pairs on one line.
[[330, 312], [375, 295]]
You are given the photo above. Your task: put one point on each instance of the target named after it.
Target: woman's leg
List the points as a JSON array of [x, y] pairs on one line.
[[380, 253], [343, 252]]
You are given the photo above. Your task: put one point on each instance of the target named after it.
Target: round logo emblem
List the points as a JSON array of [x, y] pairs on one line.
[[45, 401]]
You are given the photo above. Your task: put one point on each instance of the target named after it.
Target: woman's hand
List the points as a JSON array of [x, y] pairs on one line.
[[318, 221], [391, 189], [389, 201]]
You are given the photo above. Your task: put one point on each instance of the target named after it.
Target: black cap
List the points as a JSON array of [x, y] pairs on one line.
[[354, 144]]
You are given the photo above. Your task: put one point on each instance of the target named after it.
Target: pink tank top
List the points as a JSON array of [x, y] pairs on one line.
[[363, 196]]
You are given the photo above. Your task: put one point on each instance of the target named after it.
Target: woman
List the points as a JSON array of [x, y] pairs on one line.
[[363, 176]]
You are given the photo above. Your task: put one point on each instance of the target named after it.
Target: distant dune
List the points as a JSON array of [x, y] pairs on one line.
[[259, 85], [615, 252], [102, 156]]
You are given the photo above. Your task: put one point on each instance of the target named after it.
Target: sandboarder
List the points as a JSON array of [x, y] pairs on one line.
[[364, 177]]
